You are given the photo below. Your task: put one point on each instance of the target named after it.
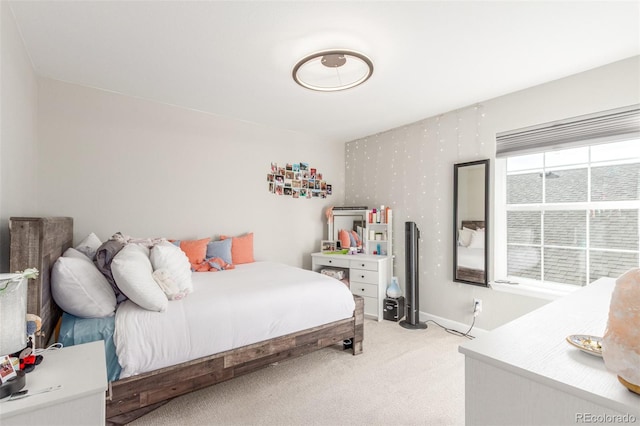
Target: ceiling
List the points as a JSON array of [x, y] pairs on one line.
[[235, 58]]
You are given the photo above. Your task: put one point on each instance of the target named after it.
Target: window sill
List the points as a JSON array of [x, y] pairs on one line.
[[531, 290]]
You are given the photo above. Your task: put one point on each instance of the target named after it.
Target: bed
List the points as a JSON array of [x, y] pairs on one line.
[[40, 241], [471, 258]]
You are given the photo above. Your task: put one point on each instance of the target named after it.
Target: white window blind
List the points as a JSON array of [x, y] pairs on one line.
[[607, 126]]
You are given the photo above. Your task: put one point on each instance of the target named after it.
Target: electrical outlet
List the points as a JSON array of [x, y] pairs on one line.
[[477, 307]]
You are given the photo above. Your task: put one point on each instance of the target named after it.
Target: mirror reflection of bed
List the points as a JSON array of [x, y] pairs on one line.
[[471, 200], [470, 266]]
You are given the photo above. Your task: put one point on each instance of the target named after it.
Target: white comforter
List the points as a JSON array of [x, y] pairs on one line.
[[472, 258], [227, 310]]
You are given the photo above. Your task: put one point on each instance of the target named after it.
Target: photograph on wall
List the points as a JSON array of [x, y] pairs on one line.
[[297, 180]]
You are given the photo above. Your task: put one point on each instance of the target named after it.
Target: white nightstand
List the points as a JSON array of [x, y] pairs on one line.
[[82, 372]]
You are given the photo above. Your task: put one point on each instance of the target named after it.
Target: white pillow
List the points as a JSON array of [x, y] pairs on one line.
[[131, 269], [172, 270], [80, 289], [71, 252], [477, 239], [89, 246], [464, 237]]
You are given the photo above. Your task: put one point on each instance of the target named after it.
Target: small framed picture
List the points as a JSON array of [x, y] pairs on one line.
[[6, 369], [327, 245]]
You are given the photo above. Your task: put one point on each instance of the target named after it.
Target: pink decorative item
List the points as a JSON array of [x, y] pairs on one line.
[[621, 342]]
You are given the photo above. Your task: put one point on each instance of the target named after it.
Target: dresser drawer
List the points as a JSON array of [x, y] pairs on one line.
[[331, 261], [361, 276], [369, 265], [361, 289]]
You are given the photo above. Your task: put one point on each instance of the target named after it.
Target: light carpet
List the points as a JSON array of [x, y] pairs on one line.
[[403, 377]]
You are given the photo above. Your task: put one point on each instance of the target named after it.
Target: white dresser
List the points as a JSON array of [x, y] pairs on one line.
[[368, 275], [525, 372], [82, 373]]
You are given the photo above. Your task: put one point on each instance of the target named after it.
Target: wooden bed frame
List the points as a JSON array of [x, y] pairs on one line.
[[38, 242]]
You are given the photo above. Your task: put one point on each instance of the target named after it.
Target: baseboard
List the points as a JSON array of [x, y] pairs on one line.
[[454, 325]]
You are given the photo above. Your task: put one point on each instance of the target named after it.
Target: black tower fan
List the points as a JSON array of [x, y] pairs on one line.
[[411, 237]]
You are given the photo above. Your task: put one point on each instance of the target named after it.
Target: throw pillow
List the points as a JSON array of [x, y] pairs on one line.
[[196, 250], [345, 239], [241, 248], [89, 246], [172, 270], [221, 249], [132, 271], [80, 289]]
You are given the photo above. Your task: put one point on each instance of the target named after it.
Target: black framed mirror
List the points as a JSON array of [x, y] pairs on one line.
[[470, 219]]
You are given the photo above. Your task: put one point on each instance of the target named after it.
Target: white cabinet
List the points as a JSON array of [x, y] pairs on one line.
[[526, 373], [81, 371], [368, 276]]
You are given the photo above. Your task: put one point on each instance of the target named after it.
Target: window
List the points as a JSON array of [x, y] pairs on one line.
[[568, 214]]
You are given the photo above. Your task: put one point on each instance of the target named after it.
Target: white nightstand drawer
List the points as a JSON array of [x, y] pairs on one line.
[[361, 276], [361, 289], [369, 265], [331, 261]]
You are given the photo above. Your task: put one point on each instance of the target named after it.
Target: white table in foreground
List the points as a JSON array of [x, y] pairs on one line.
[[526, 373], [81, 370]]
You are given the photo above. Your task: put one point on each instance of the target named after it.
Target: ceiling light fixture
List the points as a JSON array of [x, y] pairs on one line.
[[333, 70]]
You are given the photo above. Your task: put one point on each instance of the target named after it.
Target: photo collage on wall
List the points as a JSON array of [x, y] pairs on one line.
[[297, 180]]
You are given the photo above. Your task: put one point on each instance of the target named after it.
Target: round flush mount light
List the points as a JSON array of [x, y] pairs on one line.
[[333, 70]]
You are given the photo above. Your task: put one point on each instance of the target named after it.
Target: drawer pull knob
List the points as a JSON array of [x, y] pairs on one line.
[[363, 290], [361, 276], [330, 261], [363, 265]]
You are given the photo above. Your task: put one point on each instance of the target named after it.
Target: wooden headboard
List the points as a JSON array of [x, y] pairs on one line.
[[473, 224], [37, 242]]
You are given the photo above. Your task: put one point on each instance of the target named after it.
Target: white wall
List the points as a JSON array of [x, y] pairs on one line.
[[117, 163], [411, 169], [18, 131]]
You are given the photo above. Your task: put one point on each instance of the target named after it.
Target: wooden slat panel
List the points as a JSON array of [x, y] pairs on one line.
[[37, 243]]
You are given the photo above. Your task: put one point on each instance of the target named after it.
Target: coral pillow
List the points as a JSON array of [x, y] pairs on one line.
[[345, 238], [241, 248], [196, 250]]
